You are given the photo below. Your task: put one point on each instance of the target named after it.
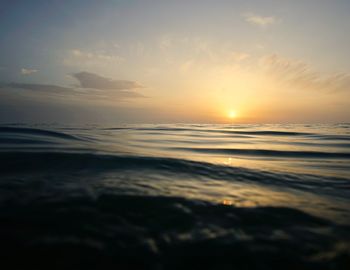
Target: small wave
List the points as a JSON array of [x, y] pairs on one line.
[[330, 137], [268, 133], [225, 131], [20, 141], [267, 153], [37, 132]]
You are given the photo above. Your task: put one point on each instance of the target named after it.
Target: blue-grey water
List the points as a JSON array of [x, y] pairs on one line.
[[175, 196]]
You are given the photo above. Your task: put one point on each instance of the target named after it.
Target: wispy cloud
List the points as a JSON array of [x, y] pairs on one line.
[[300, 75], [28, 71], [87, 59], [91, 86], [165, 42], [262, 21], [239, 56], [95, 81], [38, 87]]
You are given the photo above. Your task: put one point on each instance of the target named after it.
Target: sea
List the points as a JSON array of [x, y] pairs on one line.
[[175, 196]]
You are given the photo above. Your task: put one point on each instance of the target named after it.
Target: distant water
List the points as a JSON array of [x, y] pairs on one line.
[[175, 196]]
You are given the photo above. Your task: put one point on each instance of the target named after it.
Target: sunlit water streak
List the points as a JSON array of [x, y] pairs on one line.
[[221, 184]]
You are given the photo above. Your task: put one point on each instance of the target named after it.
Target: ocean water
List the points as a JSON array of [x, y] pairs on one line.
[[175, 196]]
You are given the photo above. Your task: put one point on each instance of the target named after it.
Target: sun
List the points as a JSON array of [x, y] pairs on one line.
[[232, 114]]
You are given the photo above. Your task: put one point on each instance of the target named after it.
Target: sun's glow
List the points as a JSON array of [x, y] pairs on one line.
[[232, 114]]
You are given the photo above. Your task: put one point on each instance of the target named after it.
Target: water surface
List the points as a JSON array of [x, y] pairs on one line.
[[176, 196]]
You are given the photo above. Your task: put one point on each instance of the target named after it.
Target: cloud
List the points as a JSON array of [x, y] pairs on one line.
[[299, 74], [80, 58], [239, 56], [48, 90], [258, 20], [95, 81], [92, 86], [138, 49], [165, 42], [28, 71], [38, 87]]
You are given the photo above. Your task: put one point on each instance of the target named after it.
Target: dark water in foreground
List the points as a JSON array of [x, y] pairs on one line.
[[175, 196]]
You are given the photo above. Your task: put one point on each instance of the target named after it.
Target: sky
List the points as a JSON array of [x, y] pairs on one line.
[[162, 61]]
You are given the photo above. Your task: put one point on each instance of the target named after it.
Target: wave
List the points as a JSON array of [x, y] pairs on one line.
[[331, 137], [64, 163], [269, 133], [20, 141], [193, 132], [201, 129], [267, 153], [37, 132]]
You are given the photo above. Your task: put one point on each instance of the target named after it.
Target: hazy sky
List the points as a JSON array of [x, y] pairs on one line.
[[175, 61]]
